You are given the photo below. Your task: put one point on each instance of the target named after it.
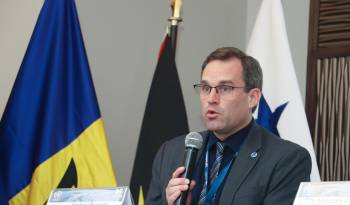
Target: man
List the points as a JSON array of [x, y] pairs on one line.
[[240, 163]]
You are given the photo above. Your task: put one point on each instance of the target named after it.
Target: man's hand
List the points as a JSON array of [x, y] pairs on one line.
[[176, 185]]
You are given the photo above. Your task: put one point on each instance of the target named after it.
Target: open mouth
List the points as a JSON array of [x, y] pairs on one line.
[[212, 114]]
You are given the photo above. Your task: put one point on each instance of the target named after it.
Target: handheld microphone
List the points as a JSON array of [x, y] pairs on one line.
[[193, 142]]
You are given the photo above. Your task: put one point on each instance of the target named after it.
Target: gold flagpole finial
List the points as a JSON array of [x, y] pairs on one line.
[[176, 9]]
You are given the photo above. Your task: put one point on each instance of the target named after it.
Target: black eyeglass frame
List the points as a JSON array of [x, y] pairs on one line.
[[198, 86]]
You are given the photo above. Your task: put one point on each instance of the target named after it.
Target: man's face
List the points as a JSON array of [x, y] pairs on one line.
[[226, 114]]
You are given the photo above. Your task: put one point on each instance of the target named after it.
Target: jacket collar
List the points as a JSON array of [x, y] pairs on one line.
[[245, 161]]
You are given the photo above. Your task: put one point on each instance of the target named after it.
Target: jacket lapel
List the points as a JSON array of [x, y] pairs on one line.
[[246, 159]]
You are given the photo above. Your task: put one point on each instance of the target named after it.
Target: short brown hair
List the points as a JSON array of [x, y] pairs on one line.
[[252, 73]]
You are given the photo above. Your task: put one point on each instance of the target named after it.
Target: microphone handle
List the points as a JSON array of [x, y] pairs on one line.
[[189, 162]]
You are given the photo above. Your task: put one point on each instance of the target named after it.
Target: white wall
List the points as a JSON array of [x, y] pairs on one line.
[[122, 40]]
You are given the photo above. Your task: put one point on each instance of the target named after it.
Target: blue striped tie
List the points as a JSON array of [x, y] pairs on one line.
[[213, 172]]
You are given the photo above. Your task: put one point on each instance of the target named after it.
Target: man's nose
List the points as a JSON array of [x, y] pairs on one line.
[[214, 96]]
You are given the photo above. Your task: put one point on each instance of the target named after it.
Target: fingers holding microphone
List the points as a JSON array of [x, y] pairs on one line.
[[176, 185], [177, 191]]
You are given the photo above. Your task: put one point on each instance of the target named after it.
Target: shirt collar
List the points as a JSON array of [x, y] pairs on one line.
[[234, 141]]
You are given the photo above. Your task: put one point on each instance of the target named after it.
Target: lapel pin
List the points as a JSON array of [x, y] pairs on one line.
[[253, 154]]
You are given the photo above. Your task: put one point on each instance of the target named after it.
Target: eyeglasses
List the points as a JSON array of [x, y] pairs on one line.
[[222, 90]]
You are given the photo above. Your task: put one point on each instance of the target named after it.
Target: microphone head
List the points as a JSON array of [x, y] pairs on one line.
[[194, 140]]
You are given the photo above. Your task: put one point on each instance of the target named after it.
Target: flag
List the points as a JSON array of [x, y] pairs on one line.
[[280, 108], [51, 132], [164, 118]]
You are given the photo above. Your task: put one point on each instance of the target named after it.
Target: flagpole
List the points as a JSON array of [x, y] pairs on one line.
[[175, 19]]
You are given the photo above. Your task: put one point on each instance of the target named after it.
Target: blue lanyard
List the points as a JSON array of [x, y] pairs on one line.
[[218, 180]]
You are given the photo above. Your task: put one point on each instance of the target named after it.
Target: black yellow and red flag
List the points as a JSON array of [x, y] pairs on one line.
[[51, 133], [164, 118]]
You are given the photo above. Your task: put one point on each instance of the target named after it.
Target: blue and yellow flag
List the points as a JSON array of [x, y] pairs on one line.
[[51, 132]]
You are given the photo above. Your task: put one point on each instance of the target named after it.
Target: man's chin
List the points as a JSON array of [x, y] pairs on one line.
[[213, 126]]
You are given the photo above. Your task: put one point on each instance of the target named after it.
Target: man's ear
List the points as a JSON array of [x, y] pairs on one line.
[[254, 97]]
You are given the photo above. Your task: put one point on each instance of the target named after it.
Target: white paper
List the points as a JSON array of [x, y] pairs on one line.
[[100, 196], [323, 193]]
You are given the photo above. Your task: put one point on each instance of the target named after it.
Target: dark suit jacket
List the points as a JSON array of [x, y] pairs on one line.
[[271, 178]]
